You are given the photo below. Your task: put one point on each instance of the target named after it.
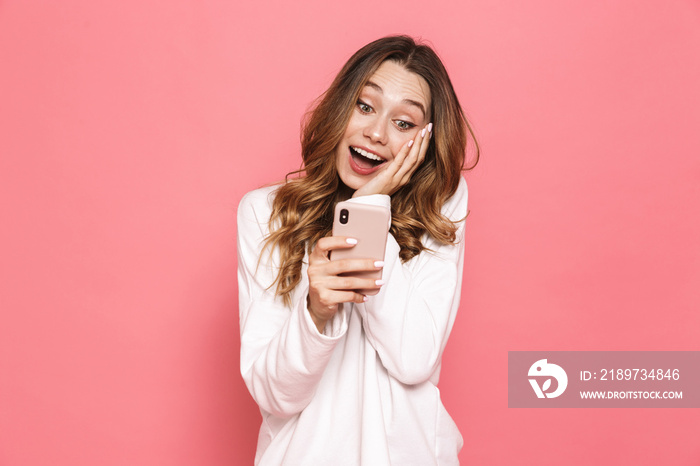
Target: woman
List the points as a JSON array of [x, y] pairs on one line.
[[342, 378]]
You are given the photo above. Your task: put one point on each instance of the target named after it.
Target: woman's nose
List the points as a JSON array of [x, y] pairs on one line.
[[376, 131]]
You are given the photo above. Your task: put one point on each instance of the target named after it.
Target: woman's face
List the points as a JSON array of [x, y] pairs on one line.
[[393, 106]]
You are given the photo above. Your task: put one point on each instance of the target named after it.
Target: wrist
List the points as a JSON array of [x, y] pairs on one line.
[[318, 321], [320, 325]]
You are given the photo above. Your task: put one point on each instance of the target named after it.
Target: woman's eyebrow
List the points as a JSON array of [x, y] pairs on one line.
[[378, 88]]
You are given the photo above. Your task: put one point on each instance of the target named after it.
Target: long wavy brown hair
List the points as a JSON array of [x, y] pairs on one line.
[[302, 211]]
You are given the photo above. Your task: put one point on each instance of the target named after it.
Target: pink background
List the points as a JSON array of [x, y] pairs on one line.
[[130, 130]]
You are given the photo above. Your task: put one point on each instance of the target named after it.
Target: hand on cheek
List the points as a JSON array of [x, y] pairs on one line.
[[398, 172]]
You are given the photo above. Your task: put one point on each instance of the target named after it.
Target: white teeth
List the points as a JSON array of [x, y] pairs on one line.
[[369, 155]]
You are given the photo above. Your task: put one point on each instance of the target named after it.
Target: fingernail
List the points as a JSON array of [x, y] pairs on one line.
[[379, 282], [364, 299], [422, 133], [351, 240], [430, 127], [410, 143], [379, 264]]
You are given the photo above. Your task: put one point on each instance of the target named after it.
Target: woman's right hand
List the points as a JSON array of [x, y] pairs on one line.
[[327, 289]]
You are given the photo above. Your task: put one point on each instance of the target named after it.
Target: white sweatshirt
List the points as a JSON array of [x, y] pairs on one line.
[[363, 392]]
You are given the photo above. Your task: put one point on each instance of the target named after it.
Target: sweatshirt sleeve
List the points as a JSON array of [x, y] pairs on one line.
[[409, 320], [283, 355]]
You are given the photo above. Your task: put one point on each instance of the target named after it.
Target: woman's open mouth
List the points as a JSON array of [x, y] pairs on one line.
[[364, 162]]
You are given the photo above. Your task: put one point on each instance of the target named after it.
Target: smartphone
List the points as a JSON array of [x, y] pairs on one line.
[[369, 225]]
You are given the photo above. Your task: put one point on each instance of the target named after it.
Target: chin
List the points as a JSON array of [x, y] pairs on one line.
[[351, 186]]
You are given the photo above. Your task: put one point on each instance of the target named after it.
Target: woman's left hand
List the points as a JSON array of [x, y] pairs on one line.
[[399, 171]]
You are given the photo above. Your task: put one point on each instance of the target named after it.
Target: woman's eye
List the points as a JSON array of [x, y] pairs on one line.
[[404, 125], [364, 108]]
